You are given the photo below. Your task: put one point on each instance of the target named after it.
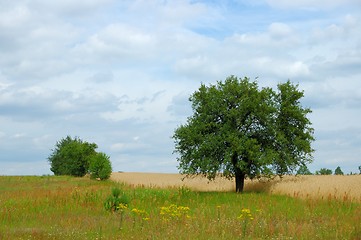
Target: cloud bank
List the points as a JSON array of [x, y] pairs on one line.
[[119, 73]]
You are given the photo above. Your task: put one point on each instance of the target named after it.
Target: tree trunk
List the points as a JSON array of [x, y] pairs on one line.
[[239, 180], [239, 174]]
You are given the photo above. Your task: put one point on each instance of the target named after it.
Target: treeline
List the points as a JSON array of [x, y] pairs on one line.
[[303, 170]]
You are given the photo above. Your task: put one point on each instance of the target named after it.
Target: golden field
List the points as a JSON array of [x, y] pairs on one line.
[[341, 187]]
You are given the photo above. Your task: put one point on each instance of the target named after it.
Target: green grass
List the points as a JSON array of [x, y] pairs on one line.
[[72, 208]]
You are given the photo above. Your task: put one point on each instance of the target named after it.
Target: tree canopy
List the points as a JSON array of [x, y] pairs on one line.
[[76, 157], [303, 170], [100, 166], [324, 171], [338, 171], [240, 130]]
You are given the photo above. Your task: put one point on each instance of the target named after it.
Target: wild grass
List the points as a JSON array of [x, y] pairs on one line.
[[73, 208]]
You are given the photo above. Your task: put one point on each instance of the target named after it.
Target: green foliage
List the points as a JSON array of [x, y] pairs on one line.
[[71, 157], [100, 166], [243, 131], [303, 170], [324, 171], [116, 198], [338, 171], [76, 157]]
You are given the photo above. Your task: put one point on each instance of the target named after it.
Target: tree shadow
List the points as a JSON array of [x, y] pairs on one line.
[[258, 186], [266, 185]]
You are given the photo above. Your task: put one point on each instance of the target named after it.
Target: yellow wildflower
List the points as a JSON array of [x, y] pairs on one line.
[[246, 214], [174, 212], [122, 206]]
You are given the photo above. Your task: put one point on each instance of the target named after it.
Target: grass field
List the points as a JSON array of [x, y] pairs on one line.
[[72, 208]]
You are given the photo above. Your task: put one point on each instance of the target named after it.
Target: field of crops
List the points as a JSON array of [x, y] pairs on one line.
[[341, 187], [51, 207]]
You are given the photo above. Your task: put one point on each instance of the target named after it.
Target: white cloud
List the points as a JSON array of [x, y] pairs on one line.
[[42, 141], [199, 67], [298, 68], [129, 147], [345, 30], [144, 109], [32, 168], [168, 14], [180, 107], [280, 30], [14, 17], [119, 73], [117, 147], [69, 8], [311, 4], [118, 41]]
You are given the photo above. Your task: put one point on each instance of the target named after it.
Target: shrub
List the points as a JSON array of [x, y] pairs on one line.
[[100, 166], [338, 171], [71, 157], [303, 170], [116, 198], [324, 171]]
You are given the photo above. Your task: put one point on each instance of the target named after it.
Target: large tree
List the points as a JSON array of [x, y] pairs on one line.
[[240, 130]]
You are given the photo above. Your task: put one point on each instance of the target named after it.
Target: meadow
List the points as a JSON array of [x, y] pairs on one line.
[[50, 207]]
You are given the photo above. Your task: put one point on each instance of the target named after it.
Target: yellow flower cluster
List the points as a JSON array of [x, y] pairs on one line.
[[245, 214], [174, 212], [141, 213], [122, 207], [138, 211]]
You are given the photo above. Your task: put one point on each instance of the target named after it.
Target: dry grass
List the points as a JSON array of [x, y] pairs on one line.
[[345, 188], [165, 180]]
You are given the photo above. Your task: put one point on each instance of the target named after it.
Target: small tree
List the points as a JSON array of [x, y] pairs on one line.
[[242, 131], [71, 157], [338, 171], [303, 170], [100, 166], [324, 171]]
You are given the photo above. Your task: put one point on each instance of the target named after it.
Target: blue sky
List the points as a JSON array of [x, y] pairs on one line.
[[119, 73]]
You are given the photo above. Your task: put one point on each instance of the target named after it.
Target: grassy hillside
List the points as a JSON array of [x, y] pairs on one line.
[[72, 208]]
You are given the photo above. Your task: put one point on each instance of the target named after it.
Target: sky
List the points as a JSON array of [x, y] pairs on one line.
[[119, 73]]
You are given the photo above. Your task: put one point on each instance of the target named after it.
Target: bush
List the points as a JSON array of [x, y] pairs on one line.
[[324, 171], [303, 170], [117, 197], [75, 157], [338, 171], [100, 166]]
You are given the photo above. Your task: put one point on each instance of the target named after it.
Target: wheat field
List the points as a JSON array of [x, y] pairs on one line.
[[341, 187]]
